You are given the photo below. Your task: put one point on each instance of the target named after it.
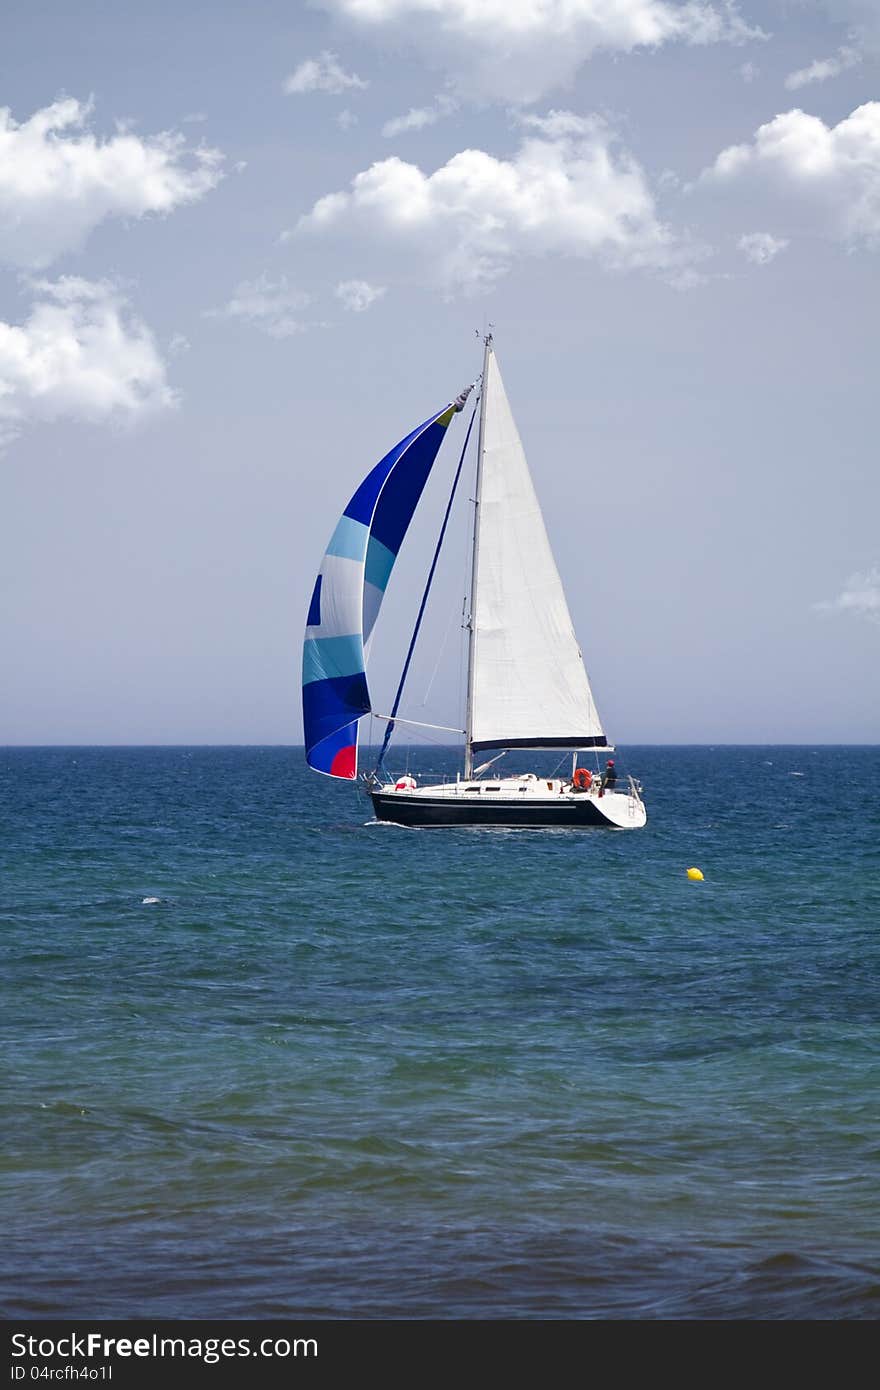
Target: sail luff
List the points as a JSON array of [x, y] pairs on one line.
[[475, 566]]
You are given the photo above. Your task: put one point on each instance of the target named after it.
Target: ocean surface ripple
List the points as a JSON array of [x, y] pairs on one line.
[[264, 1058]]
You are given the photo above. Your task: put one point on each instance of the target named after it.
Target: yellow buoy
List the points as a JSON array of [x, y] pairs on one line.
[[695, 875]]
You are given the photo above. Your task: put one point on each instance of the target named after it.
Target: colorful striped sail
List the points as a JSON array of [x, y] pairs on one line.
[[349, 591]]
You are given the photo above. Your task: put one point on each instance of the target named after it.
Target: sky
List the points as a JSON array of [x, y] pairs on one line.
[[244, 249]]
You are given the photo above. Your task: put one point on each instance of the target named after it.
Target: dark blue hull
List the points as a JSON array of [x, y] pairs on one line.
[[446, 810]]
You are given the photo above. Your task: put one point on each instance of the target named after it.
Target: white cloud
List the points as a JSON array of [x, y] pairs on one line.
[[749, 71], [516, 50], [80, 355], [823, 68], [346, 119], [568, 190], [761, 247], [272, 306], [358, 295], [58, 181], [417, 117], [323, 74], [860, 596], [823, 178]]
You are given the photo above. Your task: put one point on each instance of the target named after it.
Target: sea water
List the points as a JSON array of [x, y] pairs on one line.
[[264, 1057]]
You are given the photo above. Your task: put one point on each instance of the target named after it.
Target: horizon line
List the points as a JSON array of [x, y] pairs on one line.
[[713, 743]]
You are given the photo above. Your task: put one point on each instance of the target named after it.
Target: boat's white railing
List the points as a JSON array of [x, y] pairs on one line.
[[623, 784]]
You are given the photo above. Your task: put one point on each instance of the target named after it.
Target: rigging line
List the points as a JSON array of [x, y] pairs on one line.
[[440, 655], [421, 613], [417, 723]]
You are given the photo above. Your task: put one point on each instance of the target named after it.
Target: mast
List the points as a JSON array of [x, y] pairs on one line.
[[475, 560]]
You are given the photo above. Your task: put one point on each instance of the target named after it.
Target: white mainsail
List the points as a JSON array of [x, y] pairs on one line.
[[528, 686]]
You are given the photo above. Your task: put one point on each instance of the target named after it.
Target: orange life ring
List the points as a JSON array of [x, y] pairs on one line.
[[582, 779]]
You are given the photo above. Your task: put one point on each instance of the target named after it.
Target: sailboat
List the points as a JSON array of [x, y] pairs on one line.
[[527, 686]]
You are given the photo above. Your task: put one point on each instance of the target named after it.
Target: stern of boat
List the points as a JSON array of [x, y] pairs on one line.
[[625, 810]]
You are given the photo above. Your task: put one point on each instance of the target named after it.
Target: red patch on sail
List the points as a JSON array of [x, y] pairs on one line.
[[345, 762]]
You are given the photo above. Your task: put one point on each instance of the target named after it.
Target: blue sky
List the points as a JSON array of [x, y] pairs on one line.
[[243, 250]]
